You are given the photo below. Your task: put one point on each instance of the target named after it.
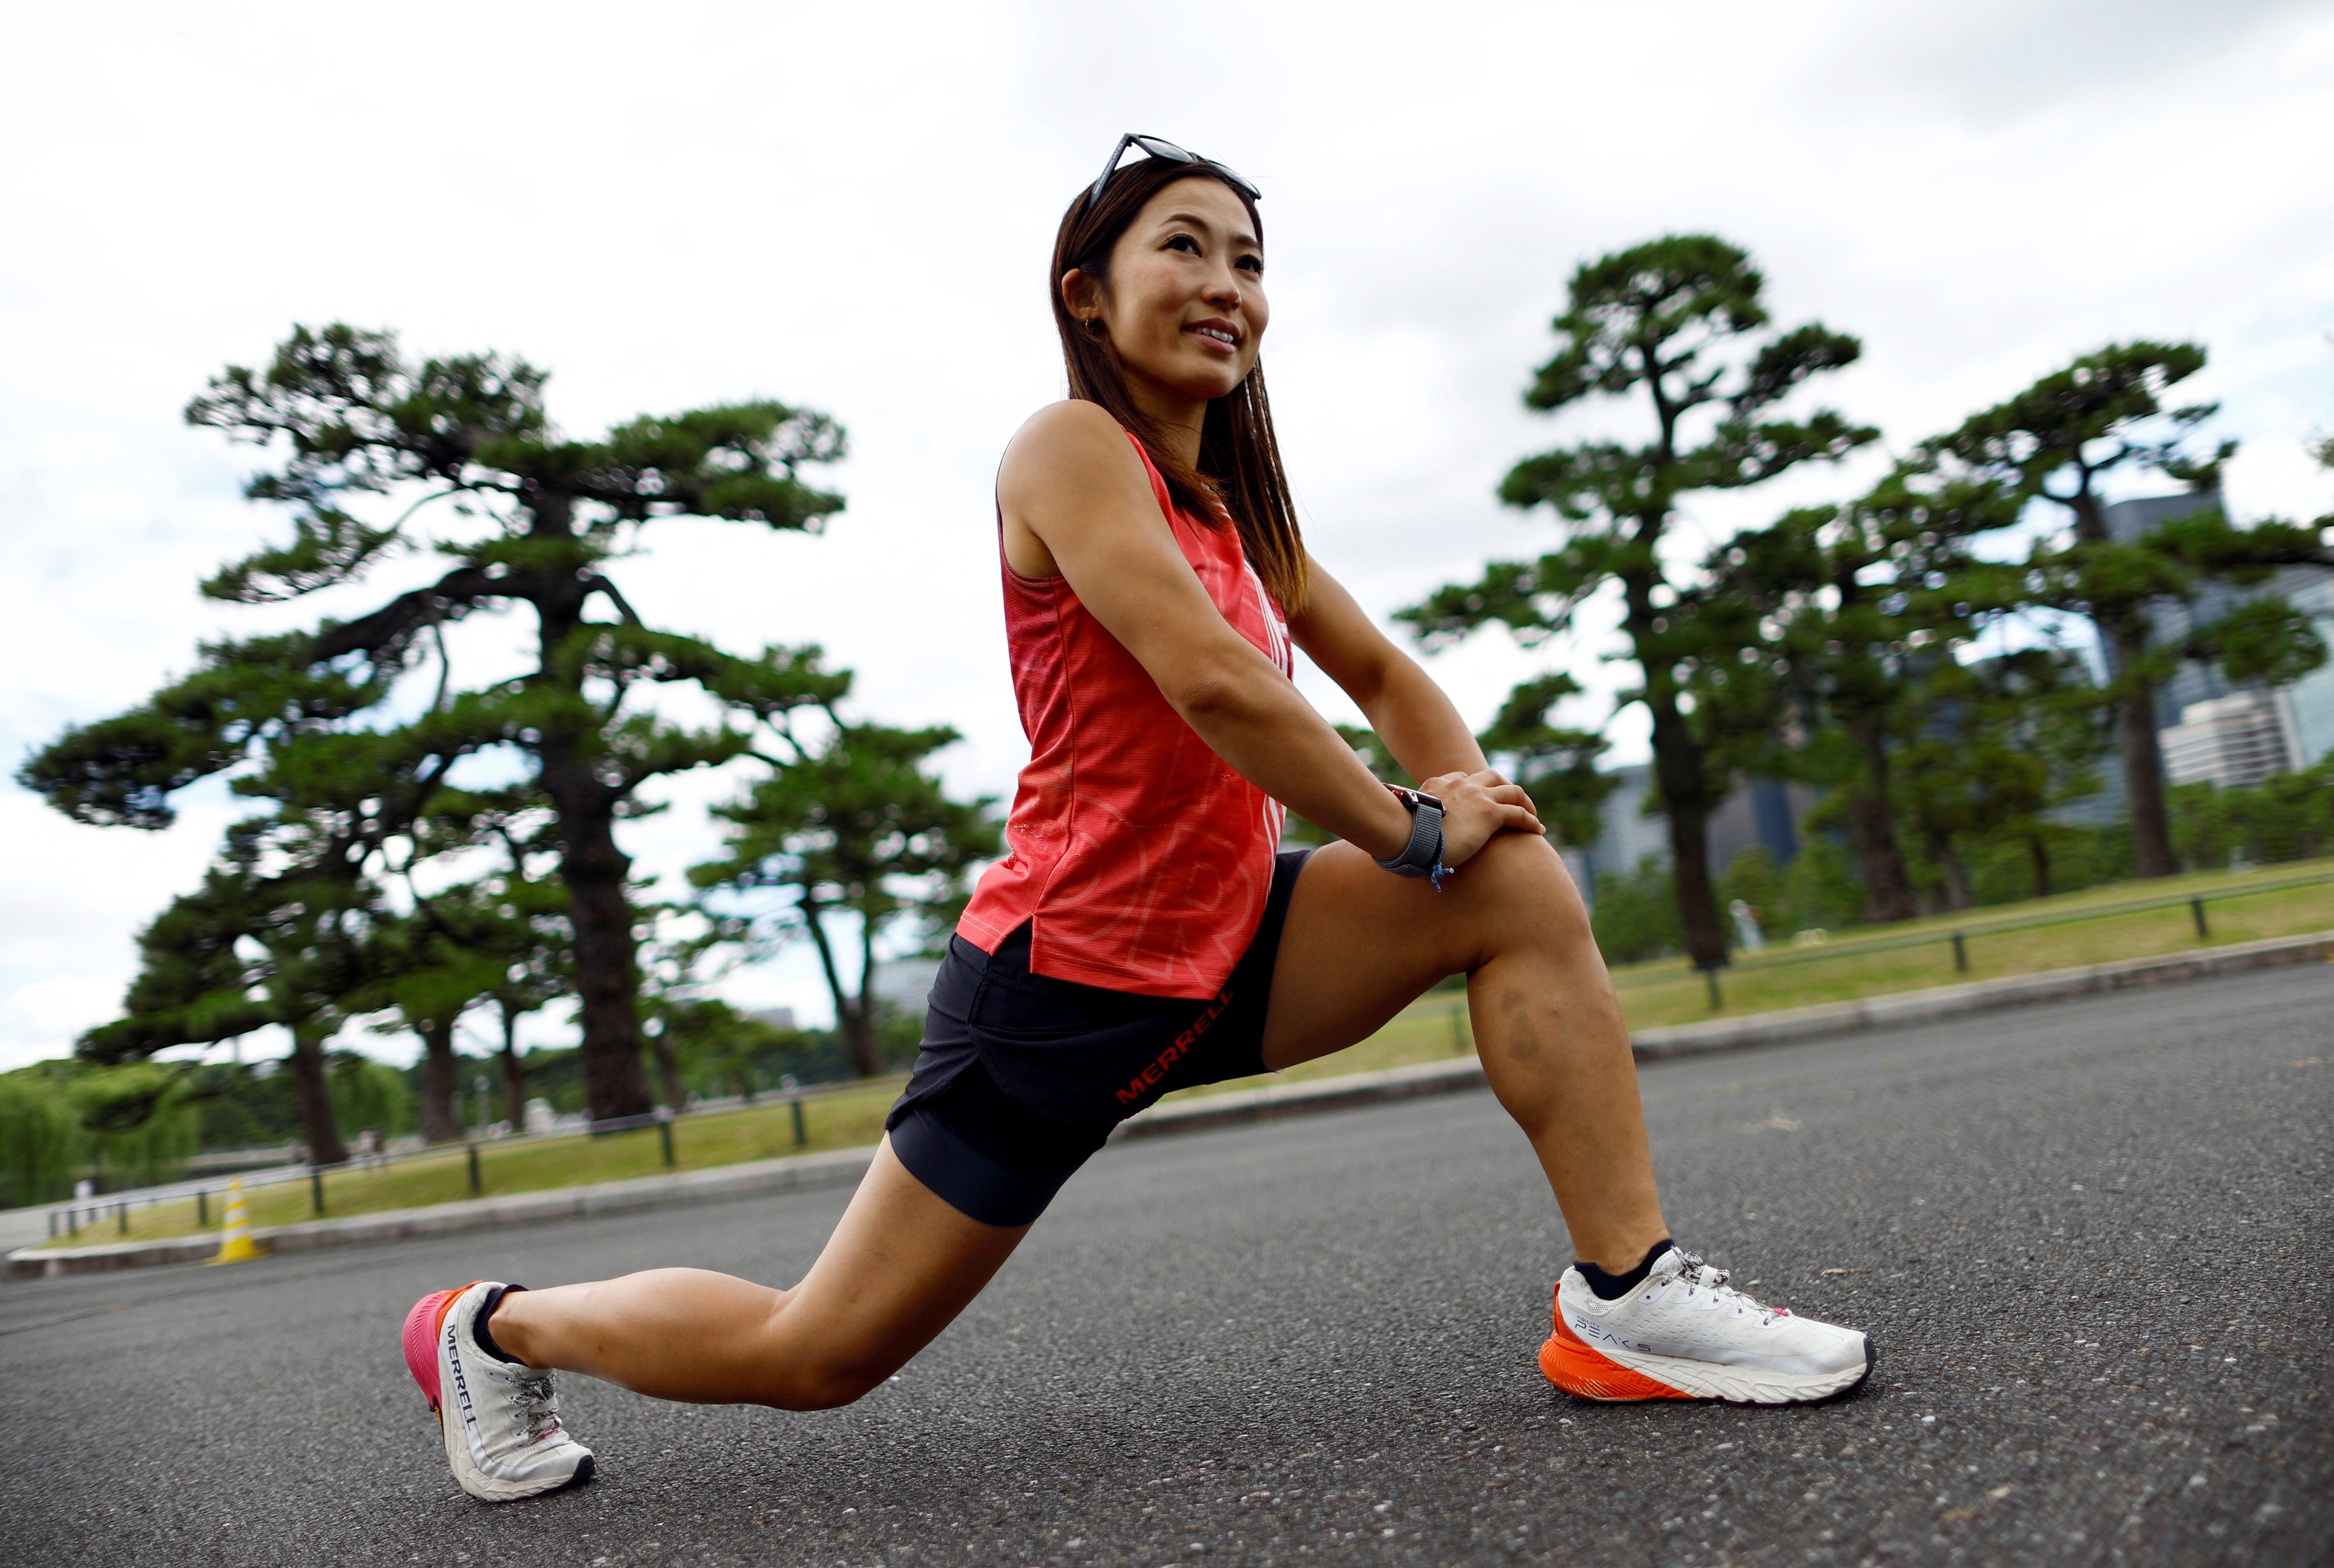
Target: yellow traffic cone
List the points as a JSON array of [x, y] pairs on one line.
[[236, 1245]]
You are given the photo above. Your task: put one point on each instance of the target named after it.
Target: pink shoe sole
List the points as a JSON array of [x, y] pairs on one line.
[[421, 1339]]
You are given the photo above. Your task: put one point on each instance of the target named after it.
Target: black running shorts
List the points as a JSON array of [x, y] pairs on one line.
[[1021, 1076]]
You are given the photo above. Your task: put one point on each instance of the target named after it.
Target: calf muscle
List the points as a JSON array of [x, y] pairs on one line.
[[899, 1268], [1359, 945]]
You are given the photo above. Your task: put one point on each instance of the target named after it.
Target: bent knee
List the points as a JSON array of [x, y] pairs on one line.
[[1515, 869]]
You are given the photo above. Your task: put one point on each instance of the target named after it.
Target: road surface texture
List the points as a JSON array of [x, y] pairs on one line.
[[2090, 1239]]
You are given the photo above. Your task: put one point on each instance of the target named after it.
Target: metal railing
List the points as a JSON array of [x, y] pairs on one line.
[[70, 1217], [1960, 937]]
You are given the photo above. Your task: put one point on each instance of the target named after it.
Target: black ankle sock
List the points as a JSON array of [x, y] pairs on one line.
[[480, 1332], [1614, 1286]]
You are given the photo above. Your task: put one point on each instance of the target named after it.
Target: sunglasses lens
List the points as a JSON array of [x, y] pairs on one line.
[[1166, 149]]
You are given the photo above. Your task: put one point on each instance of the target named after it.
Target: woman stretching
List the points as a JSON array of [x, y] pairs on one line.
[[1144, 935]]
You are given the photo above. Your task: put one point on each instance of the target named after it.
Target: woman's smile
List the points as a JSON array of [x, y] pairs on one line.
[[1218, 335]]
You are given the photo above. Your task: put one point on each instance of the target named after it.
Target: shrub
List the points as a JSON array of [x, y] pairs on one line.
[[1821, 891], [1755, 877], [369, 1093], [1635, 914], [40, 1140]]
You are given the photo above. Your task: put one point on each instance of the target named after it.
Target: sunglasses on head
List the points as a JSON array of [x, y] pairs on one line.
[[1157, 147]]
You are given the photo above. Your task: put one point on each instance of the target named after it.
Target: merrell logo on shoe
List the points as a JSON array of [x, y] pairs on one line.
[[1140, 1083], [461, 1384]]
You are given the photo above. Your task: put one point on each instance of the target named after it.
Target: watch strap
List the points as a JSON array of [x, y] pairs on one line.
[[1422, 856]]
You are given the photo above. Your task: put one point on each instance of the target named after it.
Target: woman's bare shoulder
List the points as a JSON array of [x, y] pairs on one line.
[[1070, 442]]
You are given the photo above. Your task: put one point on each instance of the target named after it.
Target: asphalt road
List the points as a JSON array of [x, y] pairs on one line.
[[2090, 1239]]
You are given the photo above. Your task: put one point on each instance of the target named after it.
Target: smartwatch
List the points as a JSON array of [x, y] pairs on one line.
[[1422, 856]]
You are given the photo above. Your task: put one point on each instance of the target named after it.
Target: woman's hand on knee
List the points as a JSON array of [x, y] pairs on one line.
[[1477, 806]]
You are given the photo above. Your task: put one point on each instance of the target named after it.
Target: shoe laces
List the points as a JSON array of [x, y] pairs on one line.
[[1697, 1276], [535, 1401]]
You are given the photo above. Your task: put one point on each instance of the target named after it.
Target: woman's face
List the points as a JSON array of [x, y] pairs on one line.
[[1185, 307]]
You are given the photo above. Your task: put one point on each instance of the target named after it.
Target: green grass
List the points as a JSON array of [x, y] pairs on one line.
[[1433, 1028], [1669, 993]]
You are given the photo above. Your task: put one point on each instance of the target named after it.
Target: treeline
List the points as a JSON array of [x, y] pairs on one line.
[[434, 844], [1833, 647]]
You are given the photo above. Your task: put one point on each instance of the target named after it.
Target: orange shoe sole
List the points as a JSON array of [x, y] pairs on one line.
[[1570, 1363]]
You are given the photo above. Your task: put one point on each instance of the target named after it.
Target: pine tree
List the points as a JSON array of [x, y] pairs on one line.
[[857, 828], [1835, 613], [1678, 324], [358, 428], [2060, 442]]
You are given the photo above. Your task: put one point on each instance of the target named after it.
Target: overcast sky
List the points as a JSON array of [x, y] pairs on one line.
[[851, 207]]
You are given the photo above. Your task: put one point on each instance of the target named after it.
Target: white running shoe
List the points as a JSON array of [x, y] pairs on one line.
[[503, 1440], [1684, 1333]]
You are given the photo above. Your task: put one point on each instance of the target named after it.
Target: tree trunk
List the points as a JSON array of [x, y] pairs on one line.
[[852, 1021], [312, 1084], [868, 1046], [1678, 766], [2037, 851], [599, 909], [1957, 880], [668, 1062], [441, 1076], [514, 1074], [607, 982], [1872, 828], [2143, 756], [858, 1027], [2124, 633]]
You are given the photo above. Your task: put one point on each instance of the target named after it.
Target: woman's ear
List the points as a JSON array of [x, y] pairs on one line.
[[1082, 297]]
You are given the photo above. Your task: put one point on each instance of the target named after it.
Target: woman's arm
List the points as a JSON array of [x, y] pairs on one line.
[[1071, 480], [1409, 712]]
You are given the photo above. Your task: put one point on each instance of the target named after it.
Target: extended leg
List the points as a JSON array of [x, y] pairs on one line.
[[899, 1268]]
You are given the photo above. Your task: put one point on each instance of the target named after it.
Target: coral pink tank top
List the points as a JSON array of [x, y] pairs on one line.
[[1141, 860]]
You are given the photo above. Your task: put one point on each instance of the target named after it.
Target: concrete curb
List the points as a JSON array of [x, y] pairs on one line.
[[835, 1168], [844, 1167]]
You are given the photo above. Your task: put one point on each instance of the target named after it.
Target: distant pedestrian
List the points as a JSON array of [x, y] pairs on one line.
[[1747, 934], [1142, 936]]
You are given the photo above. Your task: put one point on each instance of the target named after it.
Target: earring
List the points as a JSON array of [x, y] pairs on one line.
[[1093, 325]]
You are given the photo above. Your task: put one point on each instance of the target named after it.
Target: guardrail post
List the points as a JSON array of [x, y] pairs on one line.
[[52, 1224], [802, 1133], [72, 1223], [1960, 954], [2196, 908], [664, 1132], [476, 1186], [316, 1188], [121, 1217], [202, 1209]]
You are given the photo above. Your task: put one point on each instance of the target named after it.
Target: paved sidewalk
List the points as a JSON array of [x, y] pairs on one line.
[[842, 1167]]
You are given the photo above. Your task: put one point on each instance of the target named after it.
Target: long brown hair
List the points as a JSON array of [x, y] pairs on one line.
[[1238, 471]]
